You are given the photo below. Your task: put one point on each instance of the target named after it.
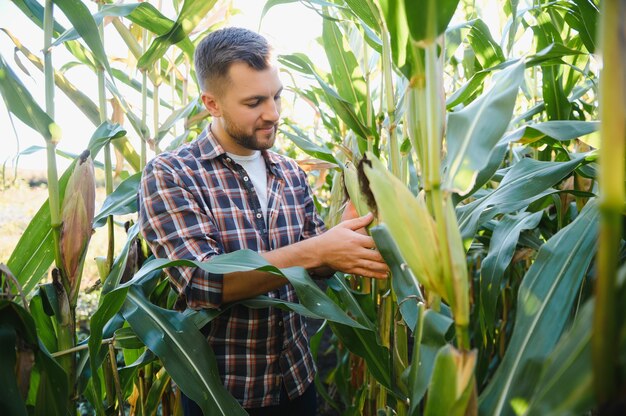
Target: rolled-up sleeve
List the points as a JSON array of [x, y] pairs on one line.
[[176, 227]]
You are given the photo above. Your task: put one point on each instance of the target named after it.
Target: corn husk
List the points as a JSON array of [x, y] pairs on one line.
[[77, 216]]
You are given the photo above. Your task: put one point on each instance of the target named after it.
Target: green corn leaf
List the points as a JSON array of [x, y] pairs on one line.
[[347, 298], [309, 147], [545, 298], [501, 250], [184, 352], [190, 15], [20, 102], [53, 386], [81, 19], [474, 131], [558, 106], [157, 389], [125, 337], [123, 200], [364, 344], [566, 383], [367, 12], [405, 285], [10, 396], [435, 328], [344, 109], [397, 24], [33, 254], [310, 295], [486, 173], [427, 19], [527, 181], [43, 321], [487, 50], [345, 70], [558, 129], [176, 115], [142, 14], [582, 16], [272, 3], [450, 372]]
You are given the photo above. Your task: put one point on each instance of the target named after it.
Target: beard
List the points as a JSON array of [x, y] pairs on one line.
[[252, 140]]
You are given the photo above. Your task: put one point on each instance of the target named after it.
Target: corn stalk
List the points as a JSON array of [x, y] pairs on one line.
[[612, 197]]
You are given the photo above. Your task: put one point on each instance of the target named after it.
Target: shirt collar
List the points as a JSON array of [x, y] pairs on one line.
[[209, 147]]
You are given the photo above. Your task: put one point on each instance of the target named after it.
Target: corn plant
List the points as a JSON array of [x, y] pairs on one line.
[[494, 178], [479, 157]]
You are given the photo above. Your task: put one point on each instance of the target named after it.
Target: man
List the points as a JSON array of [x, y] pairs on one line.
[[225, 191]]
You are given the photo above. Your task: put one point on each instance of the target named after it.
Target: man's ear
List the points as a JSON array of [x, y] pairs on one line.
[[211, 104]]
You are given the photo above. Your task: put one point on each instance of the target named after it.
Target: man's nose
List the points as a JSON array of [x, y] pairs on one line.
[[271, 112]]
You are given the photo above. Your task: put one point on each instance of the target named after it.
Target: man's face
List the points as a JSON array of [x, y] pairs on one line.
[[248, 109]]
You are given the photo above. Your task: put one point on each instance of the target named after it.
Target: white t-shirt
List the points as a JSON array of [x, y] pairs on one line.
[[255, 167]]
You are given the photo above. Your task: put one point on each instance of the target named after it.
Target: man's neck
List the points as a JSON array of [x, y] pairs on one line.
[[227, 142]]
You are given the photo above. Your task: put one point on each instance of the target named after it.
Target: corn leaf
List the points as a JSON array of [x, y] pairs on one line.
[[341, 107], [11, 399], [405, 285], [123, 200], [189, 17], [435, 328], [20, 102], [448, 376], [81, 19], [33, 253], [345, 70], [474, 131], [545, 298], [156, 391], [558, 106], [142, 14], [582, 15], [488, 52], [427, 19], [184, 352], [527, 181], [16, 321], [501, 250], [309, 147], [566, 383], [561, 130]]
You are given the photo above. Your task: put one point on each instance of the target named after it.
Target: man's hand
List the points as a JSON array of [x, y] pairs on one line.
[[347, 248]]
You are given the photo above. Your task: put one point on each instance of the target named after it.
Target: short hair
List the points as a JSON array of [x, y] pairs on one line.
[[220, 49]]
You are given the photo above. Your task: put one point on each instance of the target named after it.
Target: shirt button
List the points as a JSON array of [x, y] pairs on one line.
[[259, 215], [280, 323], [245, 178], [229, 160]]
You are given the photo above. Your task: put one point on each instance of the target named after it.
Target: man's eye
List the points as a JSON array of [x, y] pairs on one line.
[[253, 104]]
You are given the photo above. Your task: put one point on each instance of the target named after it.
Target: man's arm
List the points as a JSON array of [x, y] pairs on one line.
[[342, 248]]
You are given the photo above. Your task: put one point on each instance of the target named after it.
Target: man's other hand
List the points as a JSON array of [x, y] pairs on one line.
[[347, 248]]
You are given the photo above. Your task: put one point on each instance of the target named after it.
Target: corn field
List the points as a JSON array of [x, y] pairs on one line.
[[495, 169]]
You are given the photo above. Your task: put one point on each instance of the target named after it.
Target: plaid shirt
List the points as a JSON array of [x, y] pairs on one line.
[[196, 203]]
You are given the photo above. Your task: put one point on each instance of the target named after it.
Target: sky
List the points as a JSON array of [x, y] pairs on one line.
[[288, 27]]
